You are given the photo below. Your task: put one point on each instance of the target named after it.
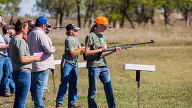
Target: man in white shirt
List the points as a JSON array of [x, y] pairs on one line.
[[39, 42]]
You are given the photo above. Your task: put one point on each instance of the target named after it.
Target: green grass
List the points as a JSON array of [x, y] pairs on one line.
[[168, 87]]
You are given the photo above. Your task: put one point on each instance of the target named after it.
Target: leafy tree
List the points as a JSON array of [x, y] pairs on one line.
[[12, 8], [95, 8], [185, 7], [144, 11], [2, 2], [57, 8], [111, 9], [168, 7], [78, 2], [89, 14], [126, 10]]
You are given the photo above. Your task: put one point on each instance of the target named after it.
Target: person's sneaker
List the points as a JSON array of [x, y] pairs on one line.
[[8, 95], [58, 105], [74, 106]]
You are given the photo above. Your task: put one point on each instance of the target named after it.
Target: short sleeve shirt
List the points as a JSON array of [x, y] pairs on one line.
[[18, 47], [71, 43], [7, 40], [96, 41]]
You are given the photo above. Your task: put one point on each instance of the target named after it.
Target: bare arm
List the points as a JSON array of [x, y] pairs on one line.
[[75, 52], [4, 46], [26, 60]]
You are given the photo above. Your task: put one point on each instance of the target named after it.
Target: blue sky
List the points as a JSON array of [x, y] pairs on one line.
[[26, 8]]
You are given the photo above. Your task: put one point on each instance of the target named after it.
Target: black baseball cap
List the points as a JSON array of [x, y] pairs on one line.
[[72, 26], [31, 23]]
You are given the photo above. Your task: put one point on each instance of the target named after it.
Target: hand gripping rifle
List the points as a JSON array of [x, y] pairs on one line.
[[112, 49]]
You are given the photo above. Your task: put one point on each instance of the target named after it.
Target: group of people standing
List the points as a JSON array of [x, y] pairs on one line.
[[6, 81], [30, 72]]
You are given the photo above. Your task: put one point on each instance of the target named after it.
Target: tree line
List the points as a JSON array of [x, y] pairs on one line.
[[117, 11]]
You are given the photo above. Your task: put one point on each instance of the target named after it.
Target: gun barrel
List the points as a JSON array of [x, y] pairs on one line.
[[57, 27], [126, 46], [143, 43], [112, 43]]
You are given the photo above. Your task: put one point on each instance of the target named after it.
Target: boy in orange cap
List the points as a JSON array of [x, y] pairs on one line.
[[96, 43]]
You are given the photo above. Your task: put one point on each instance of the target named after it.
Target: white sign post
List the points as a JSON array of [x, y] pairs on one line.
[[138, 68], [81, 64]]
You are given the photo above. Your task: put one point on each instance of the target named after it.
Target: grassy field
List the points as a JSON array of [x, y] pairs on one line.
[[170, 86]]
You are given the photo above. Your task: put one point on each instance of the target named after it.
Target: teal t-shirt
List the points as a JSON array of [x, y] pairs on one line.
[[71, 43], [96, 41], [18, 47]]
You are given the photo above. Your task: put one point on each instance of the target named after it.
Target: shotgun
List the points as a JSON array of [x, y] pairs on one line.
[[112, 43], [107, 43], [112, 49], [57, 27]]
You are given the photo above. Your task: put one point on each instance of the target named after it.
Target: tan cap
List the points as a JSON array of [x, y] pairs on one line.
[[2, 21], [7, 27]]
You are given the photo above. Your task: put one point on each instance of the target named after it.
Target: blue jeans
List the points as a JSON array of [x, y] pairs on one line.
[[22, 81], [104, 75], [68, 75], [38, 79], [7, 81], [46, 81]]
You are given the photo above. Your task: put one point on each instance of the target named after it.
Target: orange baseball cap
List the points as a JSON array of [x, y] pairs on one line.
[[102, 20]]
